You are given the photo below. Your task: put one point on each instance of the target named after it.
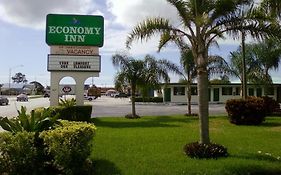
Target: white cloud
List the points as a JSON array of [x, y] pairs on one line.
[[32, 13], [129, 13]]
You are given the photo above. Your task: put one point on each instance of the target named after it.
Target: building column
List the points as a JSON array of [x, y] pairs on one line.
[[54, 93]]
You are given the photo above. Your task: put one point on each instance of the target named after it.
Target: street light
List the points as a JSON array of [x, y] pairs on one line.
[[10, 72]]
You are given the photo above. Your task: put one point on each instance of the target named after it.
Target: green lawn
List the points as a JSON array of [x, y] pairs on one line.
[[154, 145]]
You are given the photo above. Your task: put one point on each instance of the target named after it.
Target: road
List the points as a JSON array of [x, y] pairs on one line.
[[11, 109], [112, 107], [107, 106]]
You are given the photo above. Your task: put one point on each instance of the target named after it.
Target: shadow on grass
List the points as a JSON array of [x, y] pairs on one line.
[[159, 121], [256, 157], [271, 122], [105, 167], [252, 170], [248, 169]]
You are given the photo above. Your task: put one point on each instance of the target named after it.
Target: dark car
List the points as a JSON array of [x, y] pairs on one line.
[[46, 95], [4, 100], [22, 97], [120, 95]]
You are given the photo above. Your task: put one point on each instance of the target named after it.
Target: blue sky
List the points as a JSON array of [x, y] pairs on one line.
[[22, 35]]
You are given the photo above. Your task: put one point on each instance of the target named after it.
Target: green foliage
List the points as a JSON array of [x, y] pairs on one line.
[[149, 99], [70, 145], [36, 121], [17, 153], [63, 150], [67, 102], [201, 150], [74, 113], [270, 105], [246, 112]]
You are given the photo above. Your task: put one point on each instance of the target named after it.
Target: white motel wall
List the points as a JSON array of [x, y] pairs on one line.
[[218, 93]]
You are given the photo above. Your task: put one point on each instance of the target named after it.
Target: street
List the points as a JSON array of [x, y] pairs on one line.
[[108, 106]]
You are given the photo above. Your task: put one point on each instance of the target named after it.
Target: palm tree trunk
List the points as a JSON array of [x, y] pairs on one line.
[[188, 98], [203, 102], [133, 100]]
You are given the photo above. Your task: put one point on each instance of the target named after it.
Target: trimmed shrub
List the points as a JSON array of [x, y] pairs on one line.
[[149, 99], [63, 150], [75, 113], [200, 150], [70, 146], [17, 153], [246, 112], [270, 105]]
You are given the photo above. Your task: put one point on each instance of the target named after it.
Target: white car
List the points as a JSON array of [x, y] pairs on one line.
[[22, 97]]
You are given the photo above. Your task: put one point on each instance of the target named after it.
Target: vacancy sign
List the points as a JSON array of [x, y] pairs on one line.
[[75, 30], [74, 63], [74, 50]]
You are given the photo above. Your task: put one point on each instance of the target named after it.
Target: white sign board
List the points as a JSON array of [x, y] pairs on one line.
[[74, 50], [74, 63]]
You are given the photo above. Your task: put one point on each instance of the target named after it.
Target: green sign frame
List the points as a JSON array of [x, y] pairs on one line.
[[74, 30]]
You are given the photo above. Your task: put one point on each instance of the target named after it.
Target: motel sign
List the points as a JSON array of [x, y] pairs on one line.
[[74, 30]]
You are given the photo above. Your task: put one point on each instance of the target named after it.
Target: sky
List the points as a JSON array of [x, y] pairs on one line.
[[22, 35]]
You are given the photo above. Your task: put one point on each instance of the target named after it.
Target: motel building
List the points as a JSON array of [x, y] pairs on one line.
[[218, 93]]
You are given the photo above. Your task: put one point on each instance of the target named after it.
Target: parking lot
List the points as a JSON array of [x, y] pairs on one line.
[[108, 106]]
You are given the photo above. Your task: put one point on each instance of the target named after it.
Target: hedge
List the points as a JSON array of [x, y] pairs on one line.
[[250, 111], [63, 150], [149, 99]]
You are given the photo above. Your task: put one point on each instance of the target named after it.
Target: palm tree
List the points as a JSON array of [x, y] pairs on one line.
[[265, 56], [216, 66], [202, 22], [137, 73], [237, 70], [272, 7]]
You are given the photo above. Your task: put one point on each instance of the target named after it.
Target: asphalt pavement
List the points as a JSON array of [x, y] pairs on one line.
[[119, 107]]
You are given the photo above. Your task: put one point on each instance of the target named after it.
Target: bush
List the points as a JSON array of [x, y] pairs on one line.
[[246, 112], [270, 105], [74, 113], [70, 146], [199, 150], [63, 150], [149, 99], [37, 121], [67, 102], [17, 153]]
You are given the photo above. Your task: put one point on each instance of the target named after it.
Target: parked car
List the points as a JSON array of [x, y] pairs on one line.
[[4, 100], [120, 95], [46, 95], [22, 97]]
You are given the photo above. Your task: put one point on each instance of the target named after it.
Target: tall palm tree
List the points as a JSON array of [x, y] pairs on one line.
[[216, 66], [202, 22], [237, 70], [137, 73], [265, 56], [272, 7]]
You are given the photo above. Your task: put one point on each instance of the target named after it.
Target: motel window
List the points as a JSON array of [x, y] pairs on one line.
[[227, 91], [251, 91], [194, 91], [179, 90], [270, 91], [237, 91]]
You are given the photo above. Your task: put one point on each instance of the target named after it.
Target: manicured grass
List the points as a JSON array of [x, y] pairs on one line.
[[154, 145]]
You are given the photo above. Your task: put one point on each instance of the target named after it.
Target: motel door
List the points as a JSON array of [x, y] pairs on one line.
[[279, 94], [216, 94], [167, 94]]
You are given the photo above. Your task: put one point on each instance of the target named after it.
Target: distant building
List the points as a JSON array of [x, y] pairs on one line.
[[17, 88], [218, 93]]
